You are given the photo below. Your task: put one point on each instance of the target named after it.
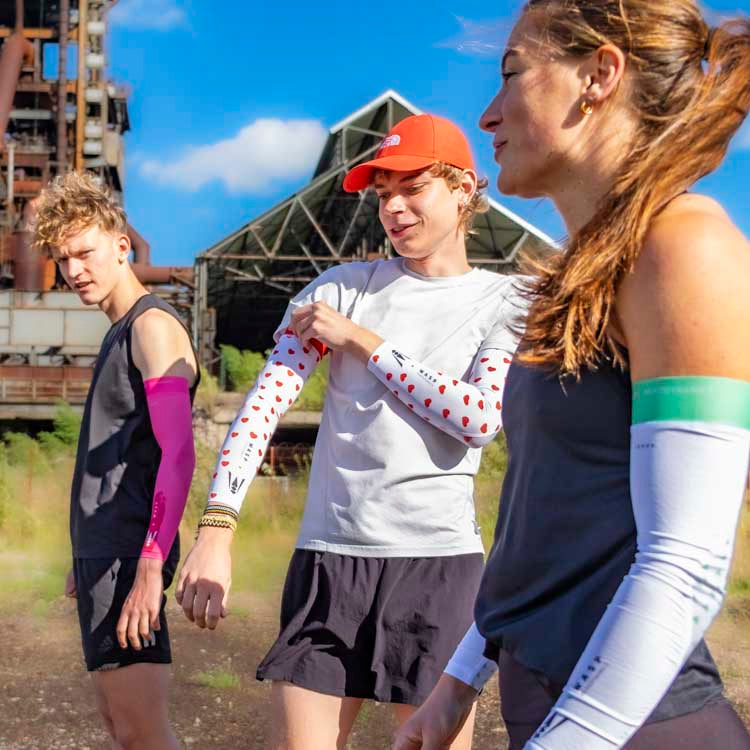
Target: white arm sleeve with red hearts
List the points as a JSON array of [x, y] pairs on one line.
[[468, 411], [276, 389]]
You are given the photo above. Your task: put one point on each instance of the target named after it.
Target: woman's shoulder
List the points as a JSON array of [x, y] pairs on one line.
[[686, 303], [692, 226]]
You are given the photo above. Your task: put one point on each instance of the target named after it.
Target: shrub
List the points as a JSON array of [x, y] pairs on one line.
[[242, 367], [208, 392]]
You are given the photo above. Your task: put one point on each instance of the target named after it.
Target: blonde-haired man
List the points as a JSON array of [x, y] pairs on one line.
[[133, 467]]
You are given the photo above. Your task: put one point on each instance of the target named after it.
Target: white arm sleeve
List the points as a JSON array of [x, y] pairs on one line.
[[687, 484], [278, 385], [469, 663]]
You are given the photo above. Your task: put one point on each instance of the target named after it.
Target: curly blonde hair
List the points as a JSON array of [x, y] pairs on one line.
[[70, 204]]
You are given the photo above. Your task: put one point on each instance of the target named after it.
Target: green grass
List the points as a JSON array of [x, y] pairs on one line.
[[34, 503], [217, 679]]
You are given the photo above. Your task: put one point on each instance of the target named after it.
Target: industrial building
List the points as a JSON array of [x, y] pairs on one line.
[[59, 111], [245, 280]]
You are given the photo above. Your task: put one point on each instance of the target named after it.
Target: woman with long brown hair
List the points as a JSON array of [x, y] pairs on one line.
[[627, 406]]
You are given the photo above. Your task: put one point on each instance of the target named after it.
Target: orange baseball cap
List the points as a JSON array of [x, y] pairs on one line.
[[414, 143]]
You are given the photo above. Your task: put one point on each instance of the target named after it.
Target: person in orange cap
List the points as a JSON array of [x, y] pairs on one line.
[[419, 348]]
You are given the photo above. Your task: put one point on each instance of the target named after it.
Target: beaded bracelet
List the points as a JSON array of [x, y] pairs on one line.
[[218, 520]]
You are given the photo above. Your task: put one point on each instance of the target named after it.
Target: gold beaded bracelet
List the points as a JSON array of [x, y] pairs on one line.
[[218, 520]]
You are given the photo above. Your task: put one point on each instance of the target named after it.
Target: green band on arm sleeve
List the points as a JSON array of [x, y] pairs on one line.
[[692, 398]]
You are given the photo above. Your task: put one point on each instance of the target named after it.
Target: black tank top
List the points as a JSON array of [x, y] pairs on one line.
[[118, 455], [565, 535]]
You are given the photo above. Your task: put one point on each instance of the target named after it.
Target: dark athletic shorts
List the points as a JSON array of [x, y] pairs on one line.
[[527, 697], [378, 628], [103, 584]]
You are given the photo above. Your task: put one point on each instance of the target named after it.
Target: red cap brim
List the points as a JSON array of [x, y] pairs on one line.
[[360, 177]]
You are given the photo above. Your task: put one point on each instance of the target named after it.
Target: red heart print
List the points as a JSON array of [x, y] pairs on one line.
[[484, 359], [266, 418], [226, 453], [290, 373], [290, 351], [506, 360], [301, 366], [263, 388], [441, 389], [388, 375], [265, 437], [272, 411], [275, 351], [446, 412], [481, 404], [492, 369], [278, 399], [213, 494], [402, 377], [427, 402], [245, 419], [215, 474], [375, 357], [296, 387], [466, 400], [467, 439], [267, 375], [411, 406], [465, 421], [256, 408], [476, 380], [278, 363], [253, 435], [225, 463], [483, 428], [234, 434], [455, 382], [410, 387], [279, 383], [494, 387], [291, 401], [305, 350], [260, 452], [498, 405]]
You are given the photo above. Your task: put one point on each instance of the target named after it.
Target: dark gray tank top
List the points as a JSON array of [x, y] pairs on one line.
[[565, 535], [118, 456]]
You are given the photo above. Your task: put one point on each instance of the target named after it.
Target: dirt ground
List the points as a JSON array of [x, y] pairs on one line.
[[46, 703]]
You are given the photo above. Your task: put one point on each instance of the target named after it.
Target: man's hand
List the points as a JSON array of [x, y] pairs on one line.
[[440, 718], [205, 578], [70, 585], [140, 613], [320, 321]]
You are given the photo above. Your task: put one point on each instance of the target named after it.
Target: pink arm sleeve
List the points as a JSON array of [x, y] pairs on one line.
[[171, 415]]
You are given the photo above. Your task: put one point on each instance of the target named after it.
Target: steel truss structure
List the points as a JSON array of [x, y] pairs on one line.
[[245, 280]]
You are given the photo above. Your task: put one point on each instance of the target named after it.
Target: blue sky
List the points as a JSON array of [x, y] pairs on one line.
[[229, 107]]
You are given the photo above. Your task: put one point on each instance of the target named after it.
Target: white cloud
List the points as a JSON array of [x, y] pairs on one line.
[[479, 38], [152, 15], [266, 152]]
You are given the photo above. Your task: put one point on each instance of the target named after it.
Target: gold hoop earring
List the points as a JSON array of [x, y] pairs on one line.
[[587, 108]]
